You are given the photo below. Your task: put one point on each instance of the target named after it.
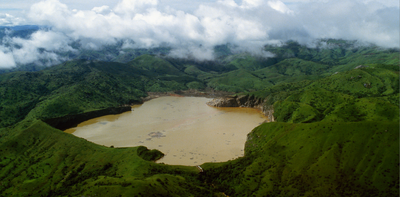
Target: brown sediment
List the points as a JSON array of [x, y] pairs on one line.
[[176, 95], [185, 129]]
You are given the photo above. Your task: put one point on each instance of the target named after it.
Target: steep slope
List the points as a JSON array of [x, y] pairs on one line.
[[71, 88], [335, 136], [316, 159], [360, 94], [294, 63], [80, 86], [42, 161]]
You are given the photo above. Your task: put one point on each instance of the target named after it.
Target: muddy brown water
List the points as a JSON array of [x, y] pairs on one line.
[[185, 129]]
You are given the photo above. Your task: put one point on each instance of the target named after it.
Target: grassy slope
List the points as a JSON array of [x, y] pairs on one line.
[[316, 159], [348, 145], [80, 86], [40, 160], [70, 88], [295, 63], [370, 93]]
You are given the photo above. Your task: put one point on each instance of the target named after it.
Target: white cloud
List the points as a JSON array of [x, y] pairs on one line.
[[29, 50], [48, 40], [7, 20], [248, 24], [231, 3], [102, 10], [129, 7], [49, 12], [251, 3], [42, 45], [352, 20], [199, 53], [279, 6], [7, 60]]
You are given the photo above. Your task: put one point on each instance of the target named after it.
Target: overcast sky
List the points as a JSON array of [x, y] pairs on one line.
[[193, 27], [17, 7]]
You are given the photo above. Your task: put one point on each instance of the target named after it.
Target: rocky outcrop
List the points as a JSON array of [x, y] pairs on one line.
[[70, 121], [249, 101], [223, 102], [268, 111], [244, 101], [236, 101]]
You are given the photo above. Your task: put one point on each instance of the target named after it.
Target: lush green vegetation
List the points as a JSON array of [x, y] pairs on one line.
[[42, 161], [80, 86], [364, 94], [315, 159], [336, 136], [336, 130]]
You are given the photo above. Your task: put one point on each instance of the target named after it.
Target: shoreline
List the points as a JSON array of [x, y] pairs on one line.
[[221, 99], [188, 93], [172, 94], [69, 121]]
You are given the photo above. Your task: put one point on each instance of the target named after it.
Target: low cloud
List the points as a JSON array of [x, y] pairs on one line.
[[41, 45], [7, 59], [249, 25], [198, 53], [7, 20]]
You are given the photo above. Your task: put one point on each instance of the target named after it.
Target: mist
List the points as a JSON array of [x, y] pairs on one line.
[[248, 25]]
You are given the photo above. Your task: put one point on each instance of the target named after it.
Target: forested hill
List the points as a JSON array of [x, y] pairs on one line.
[[366, 93], [336, 130]]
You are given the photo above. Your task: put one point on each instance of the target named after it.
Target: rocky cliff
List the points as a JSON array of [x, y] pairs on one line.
[[244, 101]]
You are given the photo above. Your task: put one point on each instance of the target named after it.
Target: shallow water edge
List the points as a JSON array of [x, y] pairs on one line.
[[187, 130]]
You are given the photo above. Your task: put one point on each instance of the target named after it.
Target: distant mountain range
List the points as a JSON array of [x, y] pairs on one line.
[[326, 51]]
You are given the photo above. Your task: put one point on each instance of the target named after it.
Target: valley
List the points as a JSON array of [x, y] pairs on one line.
[[334, 130]]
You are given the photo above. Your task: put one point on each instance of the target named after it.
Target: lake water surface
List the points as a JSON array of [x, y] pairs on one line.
[[185, 129]]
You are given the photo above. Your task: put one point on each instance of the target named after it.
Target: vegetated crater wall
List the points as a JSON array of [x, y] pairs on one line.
[[245, 101], [70, 121]]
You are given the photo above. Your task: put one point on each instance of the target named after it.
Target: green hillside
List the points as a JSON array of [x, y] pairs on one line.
[[336, 131], [71, 88], [364, 94], [334, 136], [42, 161], [294, 63], [155, 66], [316, 159], [81, 86]]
